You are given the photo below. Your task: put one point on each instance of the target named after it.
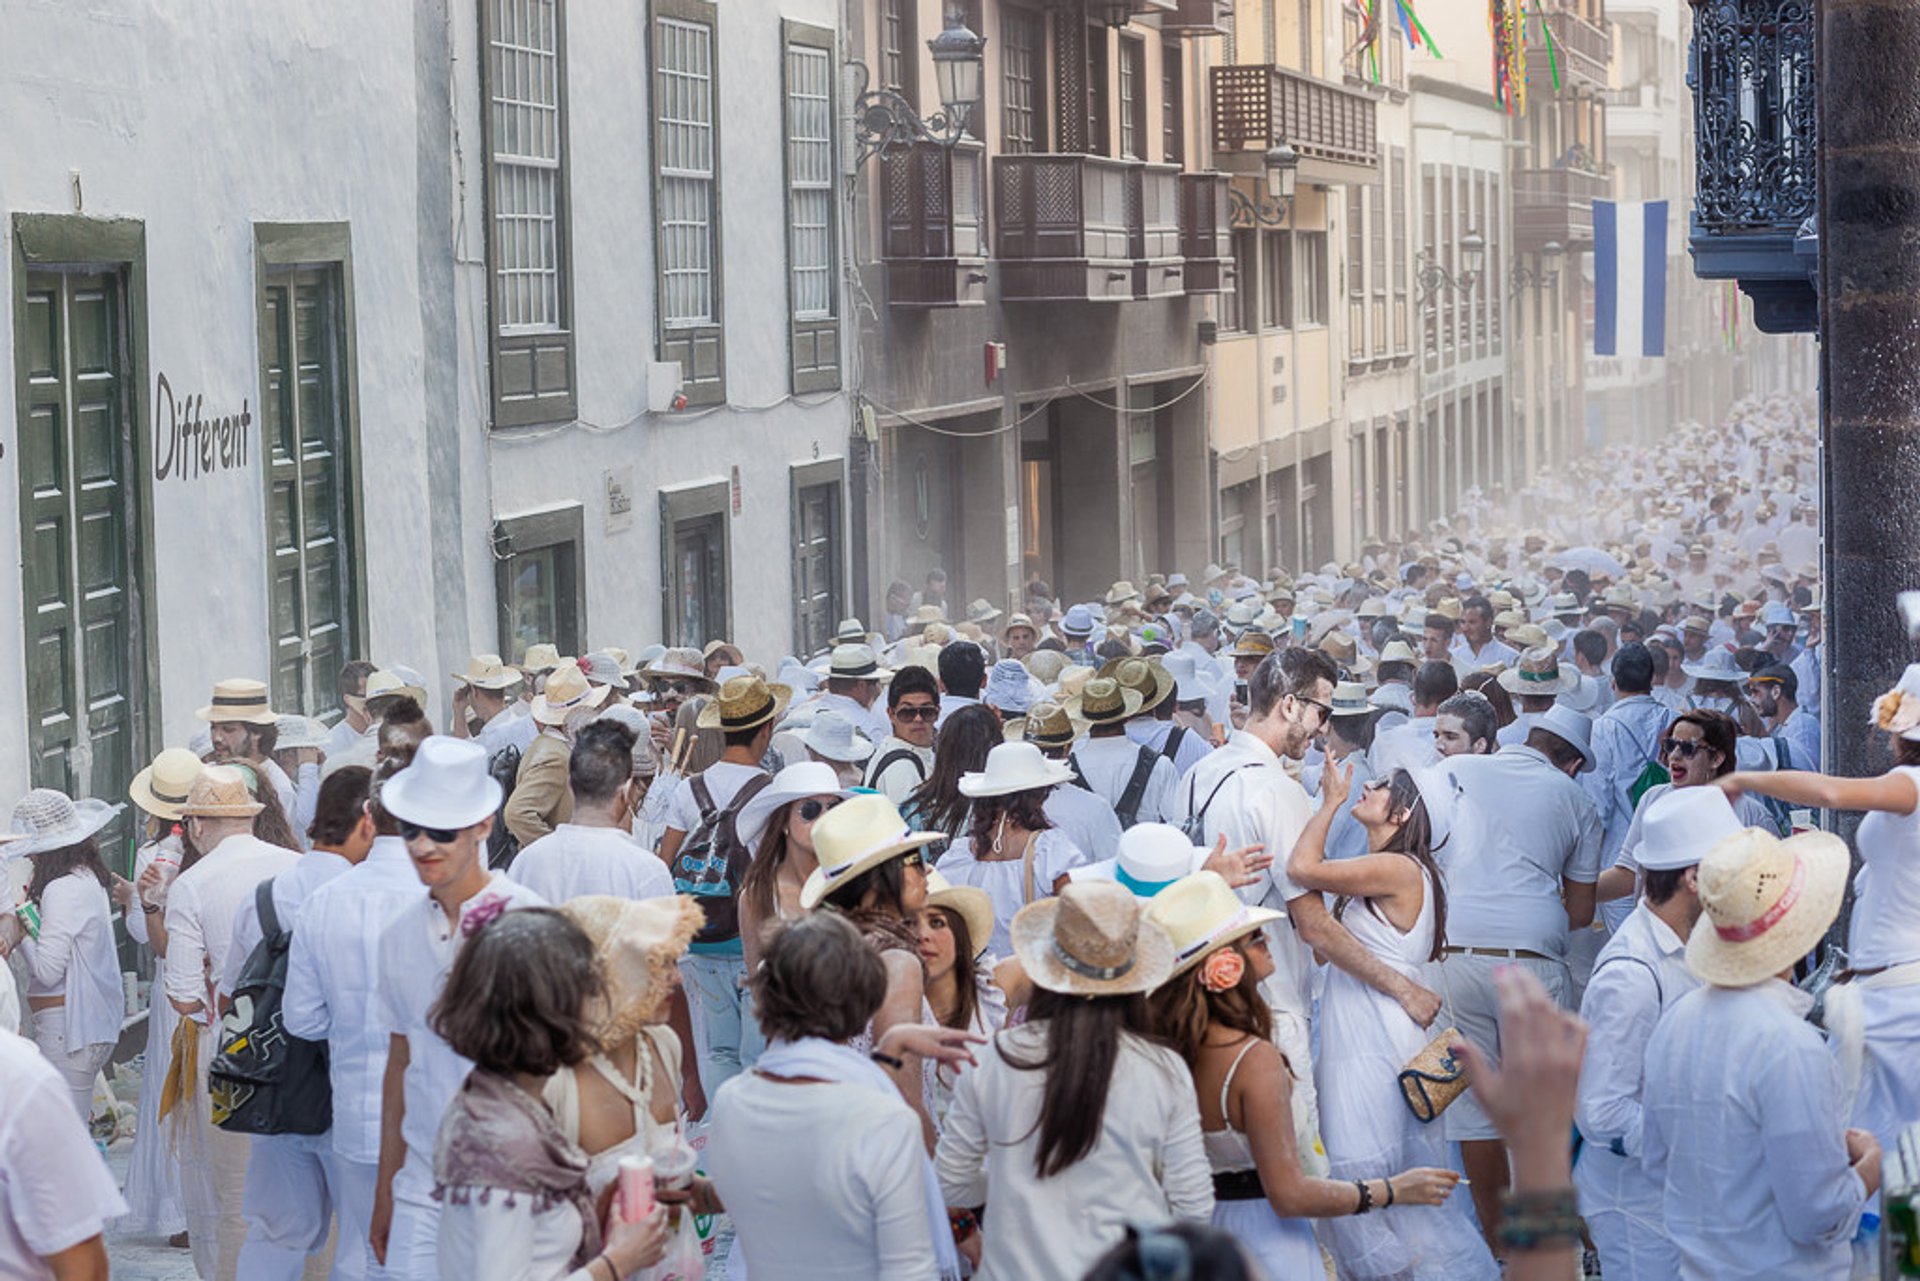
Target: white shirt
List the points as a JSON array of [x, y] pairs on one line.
[[951, 703], [872, 722], [306, 800], [55, 1191], [290, 891], [1625, 740], [504, 729], [1148, 1163], [1743, 1127], [416, 952], [1806, 670], [74, 959], [344, 736], [898, 780], [1521, 827], [573, 860], [724, 781], [1802, 735], [204, 902], [502, 1238], [333, 985], [1254, 802], [1885, 927], [1087, 820], [1495, 653], [1515, 734], [1151, 732], [824, 1181], [1408, 746], [1108, 764]]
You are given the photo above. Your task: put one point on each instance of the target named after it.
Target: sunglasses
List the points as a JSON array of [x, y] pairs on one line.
[[917, 713], [914, 858], [1685, 749], [438, 835], [679, 689], [1375, 785], [811, 810], [1326, 709]]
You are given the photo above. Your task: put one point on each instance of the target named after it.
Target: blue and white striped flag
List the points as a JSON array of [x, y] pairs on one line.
[[1630, 278]]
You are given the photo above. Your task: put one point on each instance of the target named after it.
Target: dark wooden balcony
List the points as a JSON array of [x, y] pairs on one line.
[[1198, 18], [1206, 233], [1153, 230], [1082, 228], [1331, 127], [933, 225], [1556, 205], [1581, 49]]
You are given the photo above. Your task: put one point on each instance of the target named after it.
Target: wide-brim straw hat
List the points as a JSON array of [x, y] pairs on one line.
[[1014, 767], [1091, 940], [567, 691], [680, 665], [1539, 674], [1765, 904], [486, 671], [637, 943], [745, 702], [394, 684], [1150, 680], [163, 787], [857, 836], [240, 700], [45, 819], [970, 903], [220, 791], [542, 656], [296, 731], [1104, 701], [1200, 912], [1046, 724]]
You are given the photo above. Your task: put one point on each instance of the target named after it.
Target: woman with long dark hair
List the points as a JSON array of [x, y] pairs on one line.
[[1394, 901], [1077, 1122], [776, 828], [965, 739], [1011, 849], [954, 929], [73, 972]]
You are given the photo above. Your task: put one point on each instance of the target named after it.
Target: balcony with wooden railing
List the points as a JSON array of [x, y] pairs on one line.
[[1086, 228], [1332, 128], [1581, 49], [933, 224], [1206, 233], [1556, 205]]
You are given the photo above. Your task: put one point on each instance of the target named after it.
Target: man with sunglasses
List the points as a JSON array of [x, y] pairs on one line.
[[443, 804], [593, 852], [904, 757], [1774, 690]]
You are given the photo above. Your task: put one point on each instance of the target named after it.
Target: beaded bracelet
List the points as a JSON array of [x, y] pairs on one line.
[[1540, 1220], [1366, 1196]]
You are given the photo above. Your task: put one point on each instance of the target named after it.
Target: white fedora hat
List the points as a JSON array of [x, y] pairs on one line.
[[1014, 767], [1569, 725], [1186, 677], [857, 835], [1201, 912], [1682, 825], [45, 819], [794, 783], [1765, 903], [834, 737], [857, 662], [1149, 858], [1716, 664], [447, 785]]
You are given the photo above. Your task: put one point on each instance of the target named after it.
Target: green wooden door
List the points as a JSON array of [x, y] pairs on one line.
[[310, 488], [79, 516]]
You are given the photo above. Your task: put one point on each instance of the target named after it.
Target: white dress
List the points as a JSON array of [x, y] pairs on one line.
[[1054, 853], [1284, 1247], [1885, 936], [153, 1176], [1365, 1039]]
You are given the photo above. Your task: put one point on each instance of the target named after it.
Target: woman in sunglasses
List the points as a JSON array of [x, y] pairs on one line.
[[776, 828], [1697, 750]]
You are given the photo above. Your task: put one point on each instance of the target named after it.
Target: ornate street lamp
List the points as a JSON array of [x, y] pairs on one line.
[[883, 119], [1435, 279], [1280, 173], [1525, 277]]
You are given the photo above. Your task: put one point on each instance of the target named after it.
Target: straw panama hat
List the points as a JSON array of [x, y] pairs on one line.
[[744, 702], [636, 944], [1200, 912], [238, 699], [46, 819], [972, 904], [1539, 674], [162, 787], [1045, 723], [1144, 676], [1103, 701], [295, 731], [486, 671], [1011, 767], [1765, 903], [1091, 940], [220, 792], [393, 684], [540, 657], [856, 836], [567, 690], [446, 786]]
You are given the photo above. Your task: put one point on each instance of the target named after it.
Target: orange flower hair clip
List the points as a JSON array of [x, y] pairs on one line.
[[1222, 971]]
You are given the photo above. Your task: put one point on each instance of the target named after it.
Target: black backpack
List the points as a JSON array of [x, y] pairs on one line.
[[1195, 824], [711, 861], [1127, 809], [1171, 748], [504, 768], [261, 1080], [888, 761]]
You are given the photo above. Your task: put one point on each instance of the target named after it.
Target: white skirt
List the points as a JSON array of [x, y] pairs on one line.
[[1284, 1248], [153, 1176]]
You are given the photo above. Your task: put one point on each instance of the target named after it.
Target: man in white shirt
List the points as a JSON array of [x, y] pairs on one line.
[[333, 994], [488, 689], [963, 673], [594, 851], [1806, 664], [1774, 690], [293, 1185], [1082, 814], [245, 731], [1743, 1121], [1639, 975], [1136, 781], [1409, 745], [1521, 866], [1626, 740], [1474, 647], [444, 803], [853, 686], [355, 722], [1155, 726], [1244, 792], [203, 907], [1203, 646], [904, 757], [57, 1195], [1348, 736]]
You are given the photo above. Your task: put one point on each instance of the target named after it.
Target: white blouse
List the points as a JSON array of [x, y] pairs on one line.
[[74, 959], [502, 1238]]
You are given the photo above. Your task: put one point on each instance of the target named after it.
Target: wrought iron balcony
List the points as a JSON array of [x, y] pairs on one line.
[[1085, 228], [1557, 205], [1581, 49], [1751, 69], [933, 224], [1331, 127], [1206, 233]]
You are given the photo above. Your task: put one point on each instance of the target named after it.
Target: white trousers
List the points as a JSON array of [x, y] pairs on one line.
[[77, 1065], [354, 1184], [288, 1206], [413, 1243]]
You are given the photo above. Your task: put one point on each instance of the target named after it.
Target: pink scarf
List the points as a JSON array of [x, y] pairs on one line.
[[497, 1136]]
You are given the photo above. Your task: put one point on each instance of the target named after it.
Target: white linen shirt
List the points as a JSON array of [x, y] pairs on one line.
[[74, 959], [204, 902], [55, 1191], [1086, 819], [504, 729], [416, 953], [290, 891], [872, 721], [898, 780], [1521, 828], [1743, 1128], [1108, 764], [1148, 1164], [573, 860], [1151, 732], [1408, 746], [1625, 739], [333, 985]]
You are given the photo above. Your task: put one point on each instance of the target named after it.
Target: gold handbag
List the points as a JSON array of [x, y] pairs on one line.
[[1433, 1078]]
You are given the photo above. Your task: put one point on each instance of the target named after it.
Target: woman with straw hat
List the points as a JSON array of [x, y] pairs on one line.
[[1077, 1122], [73, 972], [1012, 850], [1266, 1177], [954, 929]]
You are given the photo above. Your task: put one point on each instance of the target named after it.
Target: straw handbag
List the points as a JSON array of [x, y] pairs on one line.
[[1433, 1078]]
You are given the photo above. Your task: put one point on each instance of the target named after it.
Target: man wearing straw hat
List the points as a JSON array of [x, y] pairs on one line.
[[1137, 781], [854, 680], [1744, 1125], [1086, 818], [483, 703], [203, 908], [244, 730], [540, 800]]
